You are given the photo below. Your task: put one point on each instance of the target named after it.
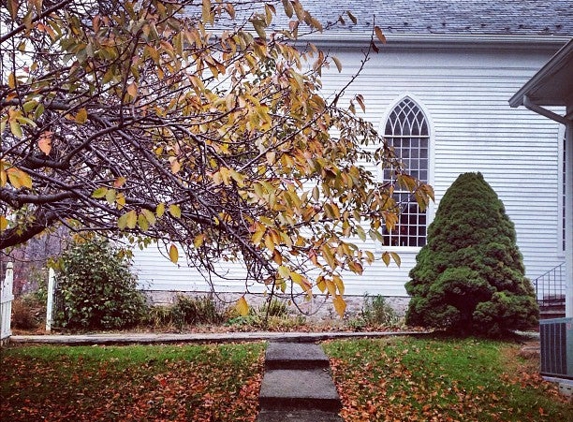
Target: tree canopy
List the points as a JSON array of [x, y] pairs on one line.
[[195, 124], [470, 277]]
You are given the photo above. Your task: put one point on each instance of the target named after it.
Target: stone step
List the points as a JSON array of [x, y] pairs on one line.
[[299, 389], [298, 416], [295, 356]]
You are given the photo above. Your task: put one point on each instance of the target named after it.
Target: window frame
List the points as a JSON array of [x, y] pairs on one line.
[[429, 161]]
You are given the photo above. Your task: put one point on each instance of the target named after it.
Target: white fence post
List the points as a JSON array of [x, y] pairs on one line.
[[50, 305], [6, 298]]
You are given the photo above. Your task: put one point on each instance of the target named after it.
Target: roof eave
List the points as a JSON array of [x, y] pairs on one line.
[[556, 63], [343, 39]]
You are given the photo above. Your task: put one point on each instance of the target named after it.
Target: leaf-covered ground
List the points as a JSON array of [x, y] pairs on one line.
[[406, 379], [397, 379], [134, 383]]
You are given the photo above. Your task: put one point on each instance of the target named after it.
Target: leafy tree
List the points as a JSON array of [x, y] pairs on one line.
[[95, 287], [193, 124], [470, 278]]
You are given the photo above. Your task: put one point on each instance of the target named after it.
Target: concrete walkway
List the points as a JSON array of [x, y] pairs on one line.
[[153, 338]]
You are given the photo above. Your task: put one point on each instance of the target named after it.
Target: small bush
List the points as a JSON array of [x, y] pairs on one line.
[[200, 310], [160, 316], [377, 312], [95, 288], [28, 312], [276, 308]]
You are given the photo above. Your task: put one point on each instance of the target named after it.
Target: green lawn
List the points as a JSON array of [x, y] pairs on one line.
[[394, 379], [407, 379]]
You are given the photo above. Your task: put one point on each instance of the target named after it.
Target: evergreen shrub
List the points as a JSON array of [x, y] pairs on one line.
[[469, 278]]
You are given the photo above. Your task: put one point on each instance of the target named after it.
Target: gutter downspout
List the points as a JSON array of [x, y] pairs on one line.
[[569, 216], [566, 120]]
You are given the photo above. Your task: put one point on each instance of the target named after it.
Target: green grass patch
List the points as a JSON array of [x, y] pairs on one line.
[[443, 380], [169, 382]]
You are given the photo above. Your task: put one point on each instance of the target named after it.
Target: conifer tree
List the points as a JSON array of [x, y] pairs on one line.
[[470, 277]]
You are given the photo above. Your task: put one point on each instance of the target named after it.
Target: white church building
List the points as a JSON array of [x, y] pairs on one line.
[[438, 90]]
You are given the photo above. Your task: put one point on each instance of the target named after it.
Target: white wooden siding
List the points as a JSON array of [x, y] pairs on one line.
[[465, 95]]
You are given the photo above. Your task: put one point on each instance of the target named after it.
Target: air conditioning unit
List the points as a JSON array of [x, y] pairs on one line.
[[556, 337]]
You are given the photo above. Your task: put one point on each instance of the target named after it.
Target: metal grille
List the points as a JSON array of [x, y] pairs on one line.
[[556, 337], [408, 133]]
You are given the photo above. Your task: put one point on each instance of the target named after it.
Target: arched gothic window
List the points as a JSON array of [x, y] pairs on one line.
[[407, 131]]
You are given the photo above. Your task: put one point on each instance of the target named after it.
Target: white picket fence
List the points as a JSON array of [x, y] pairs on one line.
[[6, 298]]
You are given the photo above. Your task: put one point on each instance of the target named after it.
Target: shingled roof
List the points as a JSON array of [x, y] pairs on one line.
[[498, 17], [447, 17]]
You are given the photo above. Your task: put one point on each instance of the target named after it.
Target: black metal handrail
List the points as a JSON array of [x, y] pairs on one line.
[[550, 287]]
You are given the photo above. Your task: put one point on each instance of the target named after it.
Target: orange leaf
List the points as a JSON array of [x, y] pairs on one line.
[[45, 142], [379, 34]]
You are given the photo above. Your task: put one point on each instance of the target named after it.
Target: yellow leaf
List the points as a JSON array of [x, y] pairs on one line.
[[339, 284], [82, 116], [142, 222], [207, 16], [328, 256], [360, 233], [301, 281], [198, 241], [337, 63], [269, 242], [122, 221], [175, 211], [3, 223], [258, 235], [173, 253], [288, 8], [396, 258], [12, 81], [283, 271], [120, 200], [45, 142], [110, 196], [386, 258], [18, 178], [320, 283], [331, 287], [160, 210], [149, 216], [3, 176], [131, 219], [175, 166], [132, 89], [16, 129], [339, 305], [242, 306]]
